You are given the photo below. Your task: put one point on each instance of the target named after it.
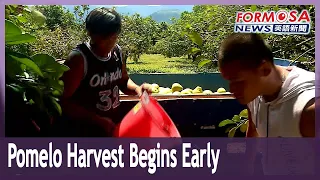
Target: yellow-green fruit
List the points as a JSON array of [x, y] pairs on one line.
[[197, 90], [38, 17], [154, 85], [207, 92], [176, 87], [176, 93], [155, 89], [243, 127], [221, 90], [186, 91], [165, 91]]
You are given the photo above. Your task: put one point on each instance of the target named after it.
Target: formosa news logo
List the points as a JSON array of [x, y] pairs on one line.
[[280, 22]]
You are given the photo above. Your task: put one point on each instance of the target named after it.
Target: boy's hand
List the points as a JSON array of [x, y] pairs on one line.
[[144, 87]]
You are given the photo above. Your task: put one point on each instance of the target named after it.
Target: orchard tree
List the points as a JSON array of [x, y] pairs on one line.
[[300, 49], [207, 25], [173, 45], [81, 13], [57, 16], [62, 32], [137, 35], [58, 43]]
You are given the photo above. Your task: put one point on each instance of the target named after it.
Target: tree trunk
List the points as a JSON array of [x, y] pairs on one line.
[[125, 56]]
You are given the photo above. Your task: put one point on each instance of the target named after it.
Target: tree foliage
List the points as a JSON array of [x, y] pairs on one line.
[[33, 84], [196, 35], [137, 35], [298, 48]]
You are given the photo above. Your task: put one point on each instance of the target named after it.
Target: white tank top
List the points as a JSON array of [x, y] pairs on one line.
[[281, 118]]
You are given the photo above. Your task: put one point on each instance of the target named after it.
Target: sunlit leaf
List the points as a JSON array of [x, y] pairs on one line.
[[193, 50], [232, 132], [244, 113], [243, 127], [49, 64], [203, 62], [11, 29], [236, 118], [13, 34], [196, 38], [226, 122], [19, 39]]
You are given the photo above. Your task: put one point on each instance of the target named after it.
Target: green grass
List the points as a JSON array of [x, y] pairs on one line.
[[154, 63]]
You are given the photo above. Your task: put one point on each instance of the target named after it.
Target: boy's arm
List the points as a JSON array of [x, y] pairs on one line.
[[72, 80], [251, 129], [127, 85], [308, 120]]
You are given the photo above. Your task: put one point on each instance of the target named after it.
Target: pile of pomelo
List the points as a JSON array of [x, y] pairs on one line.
[[177, 89]]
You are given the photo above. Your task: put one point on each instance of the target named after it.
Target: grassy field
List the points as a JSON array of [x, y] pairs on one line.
[[154, 63]]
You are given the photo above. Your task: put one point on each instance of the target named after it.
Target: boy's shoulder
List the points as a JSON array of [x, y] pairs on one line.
[[74, 57], [75, 54]]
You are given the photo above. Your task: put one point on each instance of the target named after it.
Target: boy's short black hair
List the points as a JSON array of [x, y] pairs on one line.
[[249, 48], [103, 21]]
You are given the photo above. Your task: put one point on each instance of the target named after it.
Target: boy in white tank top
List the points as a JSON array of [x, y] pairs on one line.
[[280, 100]]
